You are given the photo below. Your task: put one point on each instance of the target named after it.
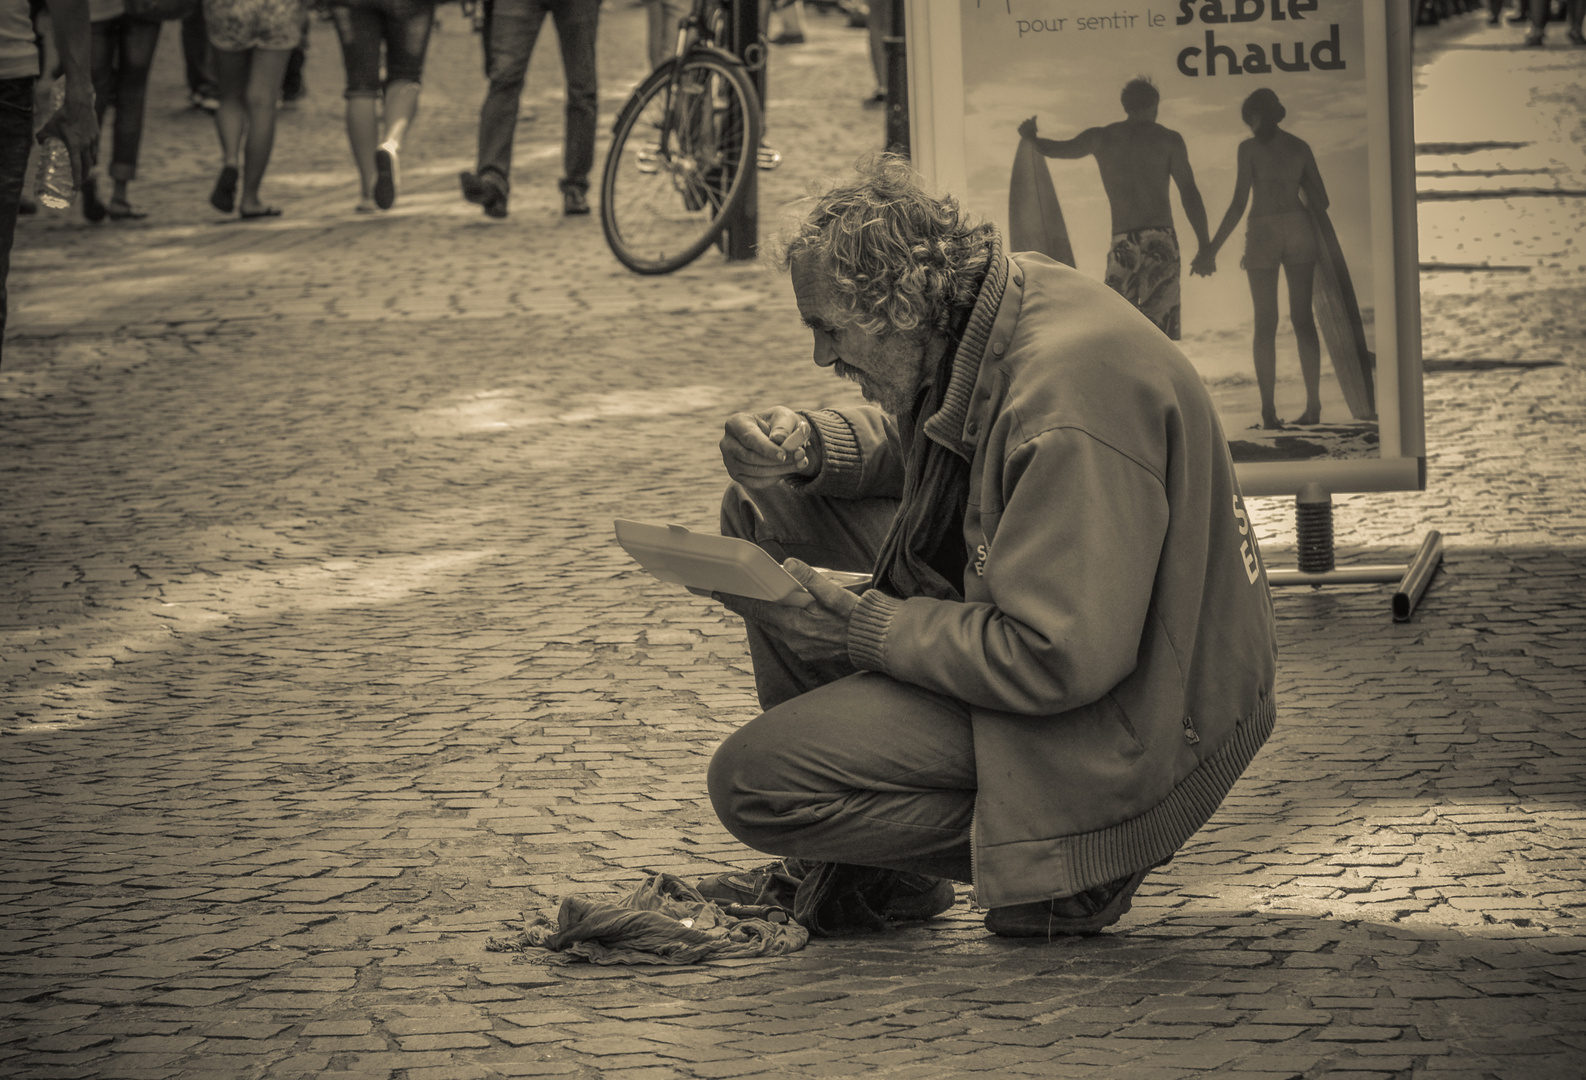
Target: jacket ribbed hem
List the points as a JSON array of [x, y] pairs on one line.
[[1071, 864], [842, 461], [867, 630]]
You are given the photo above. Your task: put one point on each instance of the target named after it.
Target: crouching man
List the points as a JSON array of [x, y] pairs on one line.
[[1066, 656]]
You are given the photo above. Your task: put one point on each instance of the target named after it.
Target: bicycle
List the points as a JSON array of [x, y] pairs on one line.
[[681, 150]]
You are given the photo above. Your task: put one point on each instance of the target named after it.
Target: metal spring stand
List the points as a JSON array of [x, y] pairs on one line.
[[1313, 527]]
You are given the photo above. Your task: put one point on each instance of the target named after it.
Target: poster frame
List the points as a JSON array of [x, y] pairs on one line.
[[938, 149]]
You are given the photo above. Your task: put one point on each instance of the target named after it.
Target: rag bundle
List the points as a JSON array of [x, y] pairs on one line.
[[663, 921]]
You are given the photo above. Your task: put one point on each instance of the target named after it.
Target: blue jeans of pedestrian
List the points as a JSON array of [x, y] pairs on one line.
[[843, 766], [511, 29], [16, 138]]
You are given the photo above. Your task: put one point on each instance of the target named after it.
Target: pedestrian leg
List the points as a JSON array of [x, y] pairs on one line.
[[263, 91], [577, 23]]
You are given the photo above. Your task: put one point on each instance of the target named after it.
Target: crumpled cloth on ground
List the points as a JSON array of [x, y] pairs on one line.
[[663, 921]]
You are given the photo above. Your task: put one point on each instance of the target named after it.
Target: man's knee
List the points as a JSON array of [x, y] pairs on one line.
[[735, 782], [739, 515], [755, 515]]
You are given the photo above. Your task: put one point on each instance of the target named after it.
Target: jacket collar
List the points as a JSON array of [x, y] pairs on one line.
[[951, 425]]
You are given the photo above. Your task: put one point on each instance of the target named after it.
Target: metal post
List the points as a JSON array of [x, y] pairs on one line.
[[741, 240], [1418, 576], [897, 57]]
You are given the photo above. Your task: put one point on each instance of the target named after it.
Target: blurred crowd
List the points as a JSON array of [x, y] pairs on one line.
[[1533, 15], [74, 75]]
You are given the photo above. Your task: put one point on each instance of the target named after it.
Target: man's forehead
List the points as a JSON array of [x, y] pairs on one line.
[[812, 285]]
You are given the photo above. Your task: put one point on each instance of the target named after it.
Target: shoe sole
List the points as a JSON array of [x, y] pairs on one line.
[[384, 179], [1052, 926]]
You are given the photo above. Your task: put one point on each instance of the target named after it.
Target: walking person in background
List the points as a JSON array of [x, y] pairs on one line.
[[123, 55], [1274, 167], [1574, 12], [104, 25], [511, 28], [197, 67], [252, 41], [74, 123], [378, 116]]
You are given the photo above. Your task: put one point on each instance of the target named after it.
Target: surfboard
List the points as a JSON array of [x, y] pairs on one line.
[[1338, 317], [1035, 220]]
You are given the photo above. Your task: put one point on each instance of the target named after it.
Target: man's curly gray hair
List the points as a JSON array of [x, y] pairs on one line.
[[900, 258]]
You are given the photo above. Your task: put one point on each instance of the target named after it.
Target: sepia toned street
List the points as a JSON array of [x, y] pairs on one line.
[[320, 668]]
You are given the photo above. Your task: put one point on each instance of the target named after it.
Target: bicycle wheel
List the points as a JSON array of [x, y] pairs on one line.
[[676, 168]]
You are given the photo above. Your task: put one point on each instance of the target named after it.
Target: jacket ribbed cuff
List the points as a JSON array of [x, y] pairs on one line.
[[842, 462], [867, 630]]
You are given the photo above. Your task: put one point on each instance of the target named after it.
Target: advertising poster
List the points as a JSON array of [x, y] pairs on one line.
[[1241, 169]]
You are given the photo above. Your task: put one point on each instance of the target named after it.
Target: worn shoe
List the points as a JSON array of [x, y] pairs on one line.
[[774, 883], [387, 180], [909, 897], [1087, 912], [484, 192], [574, 202], [916, 897]]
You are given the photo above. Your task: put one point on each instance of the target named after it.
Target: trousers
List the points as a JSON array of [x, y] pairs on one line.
[[843, 766], [511, 29], [16, 139]]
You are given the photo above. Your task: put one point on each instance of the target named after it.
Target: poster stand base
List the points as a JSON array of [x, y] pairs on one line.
[[1313, 511]]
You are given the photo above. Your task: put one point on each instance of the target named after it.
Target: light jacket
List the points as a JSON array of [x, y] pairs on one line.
[[1116, 641]]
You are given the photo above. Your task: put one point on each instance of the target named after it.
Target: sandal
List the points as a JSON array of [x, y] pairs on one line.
[[254, 215], [224, 197]]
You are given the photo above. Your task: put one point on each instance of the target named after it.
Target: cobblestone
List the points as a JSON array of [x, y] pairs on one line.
[[318, 666]]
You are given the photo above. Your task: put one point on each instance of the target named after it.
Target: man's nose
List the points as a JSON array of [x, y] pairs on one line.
[[825, 352]]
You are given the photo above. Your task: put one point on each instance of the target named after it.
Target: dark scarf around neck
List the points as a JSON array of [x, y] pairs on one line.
[[923, 553]]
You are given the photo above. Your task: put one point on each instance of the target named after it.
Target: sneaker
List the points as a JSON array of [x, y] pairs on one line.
[[647, 159], [774, 883], [203, 99], [769, 158], [1534, 39], [387, 181], [574, 202], [1087, 912]]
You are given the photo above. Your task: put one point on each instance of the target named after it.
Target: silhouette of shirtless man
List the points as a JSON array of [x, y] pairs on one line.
[[1136, 157]]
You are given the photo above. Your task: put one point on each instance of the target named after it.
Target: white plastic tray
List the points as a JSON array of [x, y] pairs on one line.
[[704, 563]]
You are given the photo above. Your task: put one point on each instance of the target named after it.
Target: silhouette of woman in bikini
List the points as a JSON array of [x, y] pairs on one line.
[[1275, 166]]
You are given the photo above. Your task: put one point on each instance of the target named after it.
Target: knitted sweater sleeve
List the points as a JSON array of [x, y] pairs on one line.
[[860, 454]]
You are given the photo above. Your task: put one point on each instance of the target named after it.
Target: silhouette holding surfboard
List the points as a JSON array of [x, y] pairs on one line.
[[1289, 229], [1137, 157]]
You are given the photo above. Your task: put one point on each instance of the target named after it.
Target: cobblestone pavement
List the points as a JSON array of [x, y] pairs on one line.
[[319, 666]]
